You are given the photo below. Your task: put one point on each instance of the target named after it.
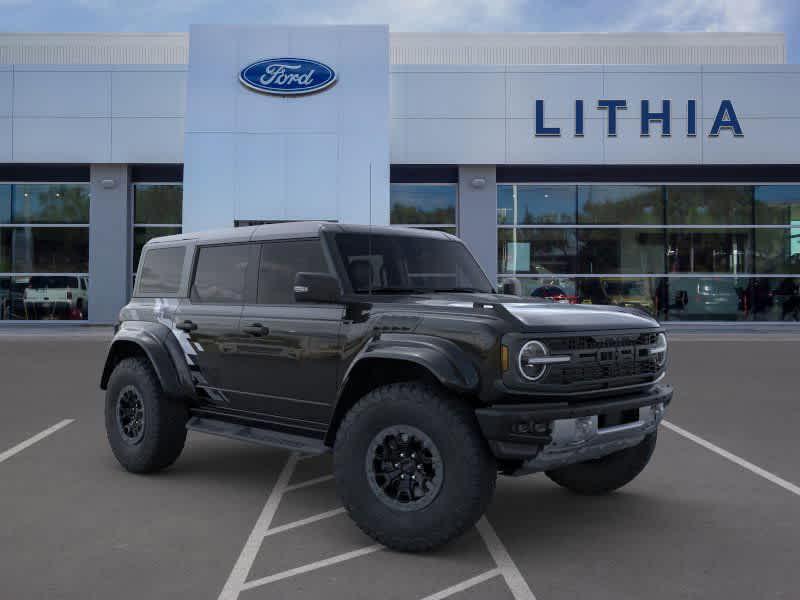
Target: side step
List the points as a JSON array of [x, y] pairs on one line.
[[267, 437]]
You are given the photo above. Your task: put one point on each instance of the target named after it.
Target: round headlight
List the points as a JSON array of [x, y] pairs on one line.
[[529, 368], [660, 350]]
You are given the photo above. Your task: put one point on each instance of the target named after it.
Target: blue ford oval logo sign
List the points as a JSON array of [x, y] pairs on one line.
[[287, 76]]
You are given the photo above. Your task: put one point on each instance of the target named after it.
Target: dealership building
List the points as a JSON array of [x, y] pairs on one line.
[[660, 171]]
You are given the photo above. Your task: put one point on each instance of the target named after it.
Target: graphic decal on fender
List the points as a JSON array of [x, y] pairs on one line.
[[287, 76], [164, 313]]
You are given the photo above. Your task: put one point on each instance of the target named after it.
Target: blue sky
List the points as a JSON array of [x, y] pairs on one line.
[[414, 15]]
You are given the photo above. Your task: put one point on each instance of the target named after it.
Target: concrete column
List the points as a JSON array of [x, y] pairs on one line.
[[109, 242], [477, 214]]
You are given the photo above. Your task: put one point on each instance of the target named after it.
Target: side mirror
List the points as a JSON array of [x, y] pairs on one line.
[[511, 287], [316, 287]]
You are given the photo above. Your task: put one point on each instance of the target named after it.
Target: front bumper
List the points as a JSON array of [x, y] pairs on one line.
[[539, 437]]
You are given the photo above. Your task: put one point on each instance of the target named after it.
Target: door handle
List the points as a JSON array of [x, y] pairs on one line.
[[256, 329], [186, 326]]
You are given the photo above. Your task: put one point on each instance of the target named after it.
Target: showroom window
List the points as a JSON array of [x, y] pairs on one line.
[[678, 251], [157, 211], [44, 251], [424, 205]]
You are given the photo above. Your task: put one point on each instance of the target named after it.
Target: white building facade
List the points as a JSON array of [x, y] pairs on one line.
[[659, 171]]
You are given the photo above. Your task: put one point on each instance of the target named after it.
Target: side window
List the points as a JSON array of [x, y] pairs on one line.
[[220, 274], [160, 273], [280, 262]]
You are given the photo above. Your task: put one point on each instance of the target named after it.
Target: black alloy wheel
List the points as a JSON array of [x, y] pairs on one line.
[[404, 468], [130, 415]]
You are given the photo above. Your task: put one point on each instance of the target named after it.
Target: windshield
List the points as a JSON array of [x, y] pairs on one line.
[[385, 263]]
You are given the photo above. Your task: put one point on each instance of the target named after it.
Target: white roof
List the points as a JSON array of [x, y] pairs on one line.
[[427, 48]]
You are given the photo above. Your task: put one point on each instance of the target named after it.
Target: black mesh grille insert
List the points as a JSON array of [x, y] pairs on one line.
[[596, 359]]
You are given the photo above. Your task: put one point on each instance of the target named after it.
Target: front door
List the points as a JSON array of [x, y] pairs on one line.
[[292, 349], [210, 318]]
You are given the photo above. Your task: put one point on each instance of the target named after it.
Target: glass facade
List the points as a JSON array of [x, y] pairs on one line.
[[44, 251], [425, 205], [679, 252], [157, 211]]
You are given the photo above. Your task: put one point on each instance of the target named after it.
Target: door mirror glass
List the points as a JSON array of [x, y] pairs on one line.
[[511, 287], [316, 287]]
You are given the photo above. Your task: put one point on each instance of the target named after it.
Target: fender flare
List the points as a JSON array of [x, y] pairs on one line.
[[162, 350], [445, 360]]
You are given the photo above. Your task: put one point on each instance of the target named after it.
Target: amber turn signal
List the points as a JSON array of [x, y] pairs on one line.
[[504, 357]]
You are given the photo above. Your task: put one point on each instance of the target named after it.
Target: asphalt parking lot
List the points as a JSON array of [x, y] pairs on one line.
[[715, 515]]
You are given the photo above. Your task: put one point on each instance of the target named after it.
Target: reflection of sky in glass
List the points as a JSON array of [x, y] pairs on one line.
[[780, 194]]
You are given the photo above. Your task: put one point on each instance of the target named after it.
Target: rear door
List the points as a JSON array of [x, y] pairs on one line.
[[210, 317], [292, 349]]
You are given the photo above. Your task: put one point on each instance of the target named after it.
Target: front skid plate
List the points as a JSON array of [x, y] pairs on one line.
[[579, 440]]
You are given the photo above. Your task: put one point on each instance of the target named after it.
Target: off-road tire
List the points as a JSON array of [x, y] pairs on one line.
[[164, 431], [604, 475], [469, 469]]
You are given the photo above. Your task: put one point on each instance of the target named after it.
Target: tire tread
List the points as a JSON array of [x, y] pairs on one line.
[[165, 424], [457, 417]]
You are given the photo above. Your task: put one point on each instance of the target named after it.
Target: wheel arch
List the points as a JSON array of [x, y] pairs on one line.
[[161, 351], [395, 358]]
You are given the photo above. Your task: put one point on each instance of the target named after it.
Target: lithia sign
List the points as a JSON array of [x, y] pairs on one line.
[[725, 120]]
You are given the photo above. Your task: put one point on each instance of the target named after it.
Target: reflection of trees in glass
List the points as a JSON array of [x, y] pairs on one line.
[[538, 204], [621, 204], [404, 214], [158, 204], [709, 205], [45, 203], [416, 204]]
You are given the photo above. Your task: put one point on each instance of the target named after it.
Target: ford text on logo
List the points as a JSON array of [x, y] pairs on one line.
[[725, 120], [287, 76]]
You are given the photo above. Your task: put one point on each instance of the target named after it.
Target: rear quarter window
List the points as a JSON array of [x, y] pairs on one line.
[[160, 272], [219, 276]]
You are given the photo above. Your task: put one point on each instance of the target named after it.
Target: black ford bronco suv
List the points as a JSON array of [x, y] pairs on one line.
[[390, 348]]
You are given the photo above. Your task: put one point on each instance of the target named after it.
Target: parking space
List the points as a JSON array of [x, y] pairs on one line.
[[235, 520]]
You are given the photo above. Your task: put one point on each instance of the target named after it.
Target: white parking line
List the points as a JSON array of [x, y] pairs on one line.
[[771, 477], [306, 521], [464, 585], [235, 584], [32, 440], [508, 569], [303, 484], [312, 566], [237, 580]]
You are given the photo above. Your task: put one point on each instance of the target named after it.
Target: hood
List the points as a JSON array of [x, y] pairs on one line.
[[534, 314], [548, 316]]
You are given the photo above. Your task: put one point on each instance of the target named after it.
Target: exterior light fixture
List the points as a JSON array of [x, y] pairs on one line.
[[478, 182]]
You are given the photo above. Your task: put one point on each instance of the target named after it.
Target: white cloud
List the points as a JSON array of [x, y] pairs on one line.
[[704, 15], [415, 15]]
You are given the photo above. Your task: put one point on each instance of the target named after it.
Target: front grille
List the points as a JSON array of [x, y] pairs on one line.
[[600, 359]]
